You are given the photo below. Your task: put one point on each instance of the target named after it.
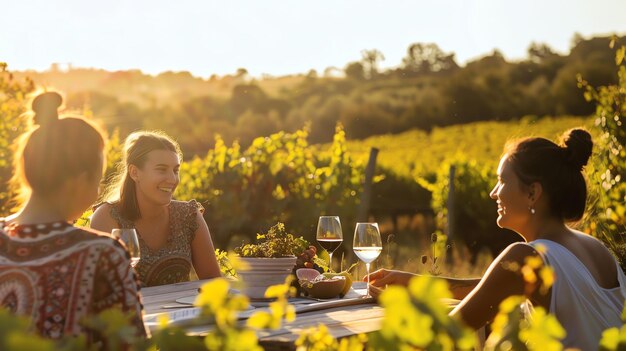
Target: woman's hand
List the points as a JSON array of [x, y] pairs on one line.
[[383, 277]]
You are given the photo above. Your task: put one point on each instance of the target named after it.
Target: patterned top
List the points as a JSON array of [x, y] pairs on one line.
[[56, 274], [171, 263]]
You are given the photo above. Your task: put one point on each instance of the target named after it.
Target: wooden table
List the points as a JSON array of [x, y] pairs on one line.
[[341, 321]]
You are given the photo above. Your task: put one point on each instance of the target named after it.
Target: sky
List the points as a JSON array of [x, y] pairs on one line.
[[281, 37]]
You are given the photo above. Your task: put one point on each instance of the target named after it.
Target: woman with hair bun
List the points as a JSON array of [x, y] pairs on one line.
[[540, 189], [173, 236], [51, 271]]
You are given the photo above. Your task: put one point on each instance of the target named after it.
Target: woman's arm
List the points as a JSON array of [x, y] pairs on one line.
[[461, 287], [481, 297], [101, 219], [203, 252], [383, 277], [498, 283], [115, 286]]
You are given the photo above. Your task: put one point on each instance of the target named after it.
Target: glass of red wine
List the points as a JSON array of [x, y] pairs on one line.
[[329, 235]]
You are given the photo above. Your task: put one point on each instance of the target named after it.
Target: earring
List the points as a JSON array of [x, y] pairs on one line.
[[532, 210]]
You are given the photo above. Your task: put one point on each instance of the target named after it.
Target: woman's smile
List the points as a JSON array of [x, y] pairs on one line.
[[166, 189]]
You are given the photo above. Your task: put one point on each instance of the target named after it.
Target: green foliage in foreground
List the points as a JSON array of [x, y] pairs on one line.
[[614, 339], [415, 318], [512, 330], [419, 308]]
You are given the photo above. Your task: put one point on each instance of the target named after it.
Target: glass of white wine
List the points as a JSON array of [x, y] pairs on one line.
[[329, 235], [367, 246], [129, 237]]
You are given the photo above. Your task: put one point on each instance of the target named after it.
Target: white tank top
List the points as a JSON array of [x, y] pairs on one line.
[[583, 308]]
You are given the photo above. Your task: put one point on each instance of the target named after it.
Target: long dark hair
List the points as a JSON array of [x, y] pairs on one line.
[[136, 149], [558, 168]]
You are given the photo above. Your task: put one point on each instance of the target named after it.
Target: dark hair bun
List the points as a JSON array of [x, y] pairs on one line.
[[578, 147], [45, 107]]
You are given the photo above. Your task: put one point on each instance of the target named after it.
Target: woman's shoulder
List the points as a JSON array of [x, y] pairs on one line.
[[106, 207], [595, 246], [520, 248], [105, 217], [589, 240], [185, 215], [518, 252], [187, 207], [188, 203], [102, 207]]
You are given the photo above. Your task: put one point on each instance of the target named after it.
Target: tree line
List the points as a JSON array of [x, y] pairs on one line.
[[427, 89]]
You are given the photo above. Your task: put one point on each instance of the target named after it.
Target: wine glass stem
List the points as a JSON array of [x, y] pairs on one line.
[[330, 261], [367, 269]]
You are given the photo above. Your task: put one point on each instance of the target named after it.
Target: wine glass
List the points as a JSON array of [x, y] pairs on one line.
[[367, 246], [129, 237], [329, 235]]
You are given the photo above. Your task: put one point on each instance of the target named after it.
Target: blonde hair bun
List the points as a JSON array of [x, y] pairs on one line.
[[45, 107]]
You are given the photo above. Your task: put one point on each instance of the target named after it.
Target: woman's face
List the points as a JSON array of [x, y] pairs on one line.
[[513, 201], [157, 180]]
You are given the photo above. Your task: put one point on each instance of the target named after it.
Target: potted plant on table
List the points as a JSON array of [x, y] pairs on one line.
[[270, 260]]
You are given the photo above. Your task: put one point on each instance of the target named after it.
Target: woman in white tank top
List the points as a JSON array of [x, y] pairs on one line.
[[540, 188]]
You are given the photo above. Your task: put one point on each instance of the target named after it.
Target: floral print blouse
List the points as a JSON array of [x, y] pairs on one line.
[[172, 262]]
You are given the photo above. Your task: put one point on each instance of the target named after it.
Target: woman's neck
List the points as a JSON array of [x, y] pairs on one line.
[[151, 210], [545, 228], [42, 209]]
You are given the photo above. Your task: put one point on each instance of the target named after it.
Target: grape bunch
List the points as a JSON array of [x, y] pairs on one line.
[[307, 260]]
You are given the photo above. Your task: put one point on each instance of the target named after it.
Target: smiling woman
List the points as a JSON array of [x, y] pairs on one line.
[[173, 236], [540, 189]]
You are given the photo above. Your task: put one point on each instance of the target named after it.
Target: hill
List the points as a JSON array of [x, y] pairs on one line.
[[427, 90]]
